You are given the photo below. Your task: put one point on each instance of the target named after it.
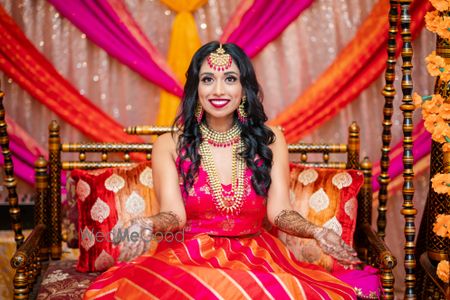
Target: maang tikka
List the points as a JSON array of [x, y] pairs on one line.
[[219, 60], [242, 115]]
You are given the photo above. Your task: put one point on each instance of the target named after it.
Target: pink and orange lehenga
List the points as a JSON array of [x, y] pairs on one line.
[[222, 257]]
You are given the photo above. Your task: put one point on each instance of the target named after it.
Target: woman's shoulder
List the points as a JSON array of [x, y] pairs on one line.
[[276, 129], [166, 142]]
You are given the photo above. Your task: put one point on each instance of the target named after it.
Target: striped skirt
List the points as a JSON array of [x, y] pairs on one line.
[[205, 267]]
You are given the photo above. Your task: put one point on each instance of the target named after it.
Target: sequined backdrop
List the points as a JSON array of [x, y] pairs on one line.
[[285, 68]]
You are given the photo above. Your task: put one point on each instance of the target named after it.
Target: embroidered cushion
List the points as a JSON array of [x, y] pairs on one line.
[[327, 198], [107, 199]]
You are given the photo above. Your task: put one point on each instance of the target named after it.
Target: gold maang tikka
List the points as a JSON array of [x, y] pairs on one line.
[[219, 60]]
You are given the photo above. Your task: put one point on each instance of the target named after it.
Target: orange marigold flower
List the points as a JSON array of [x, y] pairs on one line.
[[441, 130], [430, 122], [446, 147], [443, 270], [442, 28], [439, 183], [435, 64], [441, 5], [432, 20], [444, 111], [425, 115], [417, 100], [432, 106], [445, 74], [442, 225]]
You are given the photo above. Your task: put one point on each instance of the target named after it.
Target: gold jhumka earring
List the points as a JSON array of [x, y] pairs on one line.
[[198, 112], [242, 114]]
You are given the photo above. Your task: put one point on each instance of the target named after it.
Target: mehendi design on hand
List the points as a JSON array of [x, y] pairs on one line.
[[292, 222], [166, 221], [145, 227], [329, 241]]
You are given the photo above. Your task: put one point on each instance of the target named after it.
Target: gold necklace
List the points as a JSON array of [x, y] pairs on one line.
[[221, 139], [231, 203]]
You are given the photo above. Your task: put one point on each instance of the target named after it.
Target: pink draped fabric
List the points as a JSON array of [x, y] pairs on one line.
[[25, 150], [359, 64], [263, 21], [21, 169], [110, 25]]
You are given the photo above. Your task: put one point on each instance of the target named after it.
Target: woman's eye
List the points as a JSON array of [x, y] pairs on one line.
[[206, 79], [231, 78]]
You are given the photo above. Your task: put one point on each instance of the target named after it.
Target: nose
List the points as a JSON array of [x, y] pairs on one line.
[[219, 88]]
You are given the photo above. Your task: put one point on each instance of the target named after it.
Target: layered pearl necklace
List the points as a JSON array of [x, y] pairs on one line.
[[229, 203]]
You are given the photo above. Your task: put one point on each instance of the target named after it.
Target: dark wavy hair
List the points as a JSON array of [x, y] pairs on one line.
[[255, 135]]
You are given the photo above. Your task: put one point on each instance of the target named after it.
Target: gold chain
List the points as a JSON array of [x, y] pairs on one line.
[[221, 139], [231, 203]]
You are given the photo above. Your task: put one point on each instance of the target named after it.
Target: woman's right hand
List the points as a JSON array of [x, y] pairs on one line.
[[137, 238], [332, 244]]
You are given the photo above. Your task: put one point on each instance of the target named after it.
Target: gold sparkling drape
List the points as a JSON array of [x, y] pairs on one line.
[[285, 68]]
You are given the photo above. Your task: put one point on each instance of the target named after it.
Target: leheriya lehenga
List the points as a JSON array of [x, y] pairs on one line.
[[226, 253]]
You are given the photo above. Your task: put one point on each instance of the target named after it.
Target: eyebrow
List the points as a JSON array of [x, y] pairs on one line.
[[226, 73]]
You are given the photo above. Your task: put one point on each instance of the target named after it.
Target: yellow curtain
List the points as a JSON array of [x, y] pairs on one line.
[[184, 41]]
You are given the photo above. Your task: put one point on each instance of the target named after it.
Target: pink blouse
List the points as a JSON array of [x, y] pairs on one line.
[[203, 216]]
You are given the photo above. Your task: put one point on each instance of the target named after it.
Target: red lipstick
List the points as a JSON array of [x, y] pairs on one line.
[[219, 103]]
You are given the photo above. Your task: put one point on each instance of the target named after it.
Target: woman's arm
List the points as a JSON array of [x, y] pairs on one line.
[[281, 214], [172, 215]]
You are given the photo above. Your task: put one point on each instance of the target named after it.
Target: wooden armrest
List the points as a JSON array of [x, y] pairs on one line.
[[25, 252], [430, 270], [385, 256]]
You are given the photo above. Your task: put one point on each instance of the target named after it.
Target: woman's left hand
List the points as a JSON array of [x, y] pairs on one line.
[[138, 235], [332, 244]]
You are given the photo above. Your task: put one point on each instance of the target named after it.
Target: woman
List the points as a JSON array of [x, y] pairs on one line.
[[216, 180]]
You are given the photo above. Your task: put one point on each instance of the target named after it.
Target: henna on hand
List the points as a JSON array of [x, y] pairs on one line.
[[145, 227], [291, 222], [166, 221], [331, 243]]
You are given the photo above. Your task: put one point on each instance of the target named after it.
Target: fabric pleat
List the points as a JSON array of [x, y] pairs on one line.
[[206, 267]]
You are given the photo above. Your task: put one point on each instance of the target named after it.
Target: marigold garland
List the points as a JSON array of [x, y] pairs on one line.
[[436, 115], [435, 108]]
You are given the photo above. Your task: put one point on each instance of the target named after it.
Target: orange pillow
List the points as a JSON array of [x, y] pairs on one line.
[[327, 198], [107, 199]]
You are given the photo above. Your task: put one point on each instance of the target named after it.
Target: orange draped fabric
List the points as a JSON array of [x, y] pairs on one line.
[[184, 41], [206, 267], [20, 60], [358, 65]]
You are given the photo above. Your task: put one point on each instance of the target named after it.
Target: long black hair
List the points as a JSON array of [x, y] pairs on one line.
[[255, 135]]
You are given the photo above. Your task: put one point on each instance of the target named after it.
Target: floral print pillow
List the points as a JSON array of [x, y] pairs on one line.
[[328, 198], [107, 199]]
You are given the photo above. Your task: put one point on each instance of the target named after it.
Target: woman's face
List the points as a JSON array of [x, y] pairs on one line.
[[219, 92]]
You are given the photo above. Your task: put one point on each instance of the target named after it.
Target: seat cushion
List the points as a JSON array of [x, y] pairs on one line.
[[62, 281]]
